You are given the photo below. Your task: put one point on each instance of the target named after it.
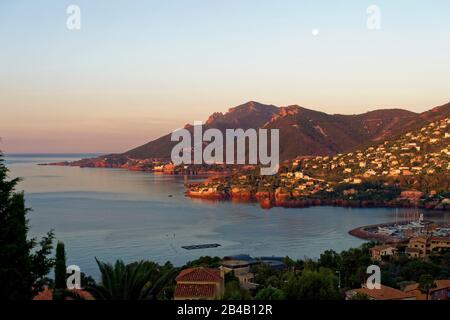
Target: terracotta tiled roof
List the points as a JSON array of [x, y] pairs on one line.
[[195, 290], [384, 246], [440, 284], [83, 294], [445, 239], [199, 275], [47, 294], [385, 293], [411, 287]]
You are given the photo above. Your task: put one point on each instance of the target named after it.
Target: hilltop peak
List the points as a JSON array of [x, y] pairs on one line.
[[252, 106], [214, 117], [305, 132]]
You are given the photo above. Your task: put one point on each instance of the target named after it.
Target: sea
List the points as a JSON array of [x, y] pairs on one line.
[[112, 214]]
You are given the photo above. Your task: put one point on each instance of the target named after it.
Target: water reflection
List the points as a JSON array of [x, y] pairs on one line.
[[112, 213]]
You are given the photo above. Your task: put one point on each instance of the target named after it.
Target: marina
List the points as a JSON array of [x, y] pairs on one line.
[[402, 230]]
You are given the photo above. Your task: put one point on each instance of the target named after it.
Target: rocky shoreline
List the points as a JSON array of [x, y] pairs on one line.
[[147, 165], [242, 193], [268, 200]]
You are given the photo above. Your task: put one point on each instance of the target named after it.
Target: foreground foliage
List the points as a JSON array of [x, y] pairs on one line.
[[24, 263], [137, 281]]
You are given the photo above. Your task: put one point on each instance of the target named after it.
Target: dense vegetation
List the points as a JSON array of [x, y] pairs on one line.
[[318, 279], [24, 263]]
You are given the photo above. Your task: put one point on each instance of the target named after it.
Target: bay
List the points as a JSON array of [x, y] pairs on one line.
[[117, 214]]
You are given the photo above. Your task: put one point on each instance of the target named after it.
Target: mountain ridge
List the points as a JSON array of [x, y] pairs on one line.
[[305, 131]]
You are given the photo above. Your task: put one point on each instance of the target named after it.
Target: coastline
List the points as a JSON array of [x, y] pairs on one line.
[[241, 217], [268, 200]]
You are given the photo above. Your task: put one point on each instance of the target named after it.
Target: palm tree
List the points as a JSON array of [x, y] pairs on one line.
[[128, 282]]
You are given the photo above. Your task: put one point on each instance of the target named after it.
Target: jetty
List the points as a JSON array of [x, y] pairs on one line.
[[201, 246]]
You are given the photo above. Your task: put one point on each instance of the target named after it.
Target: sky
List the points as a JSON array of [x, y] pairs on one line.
[[139, 69]]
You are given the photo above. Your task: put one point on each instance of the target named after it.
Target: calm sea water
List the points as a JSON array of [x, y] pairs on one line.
[[112, 213]]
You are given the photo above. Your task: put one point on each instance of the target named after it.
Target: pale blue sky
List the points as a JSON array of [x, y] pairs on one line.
[[138, 69]]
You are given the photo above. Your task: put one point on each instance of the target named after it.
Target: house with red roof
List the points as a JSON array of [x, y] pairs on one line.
[[440, 292], [378, 252], [384, 293], [47, 294], [200, 284]]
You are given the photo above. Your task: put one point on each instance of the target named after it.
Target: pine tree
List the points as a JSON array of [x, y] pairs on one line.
[[23, 267], [60, 266]]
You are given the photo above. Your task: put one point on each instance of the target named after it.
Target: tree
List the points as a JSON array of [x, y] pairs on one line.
[[24, 263], [265, 275], [87, 280], [234, 291], [360, 296], [129, 282], [313, 285], [426, 284], [60, 267], [353, 266], [230, 277], [206, 262], [270, 293], [330, 259], [60, 285], [414, 269]]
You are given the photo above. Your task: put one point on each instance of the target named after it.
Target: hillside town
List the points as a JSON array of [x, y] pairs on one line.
[[415, 154], [410, 171]]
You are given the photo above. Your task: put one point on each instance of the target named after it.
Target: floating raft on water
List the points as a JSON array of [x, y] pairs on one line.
[[202, 246]]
